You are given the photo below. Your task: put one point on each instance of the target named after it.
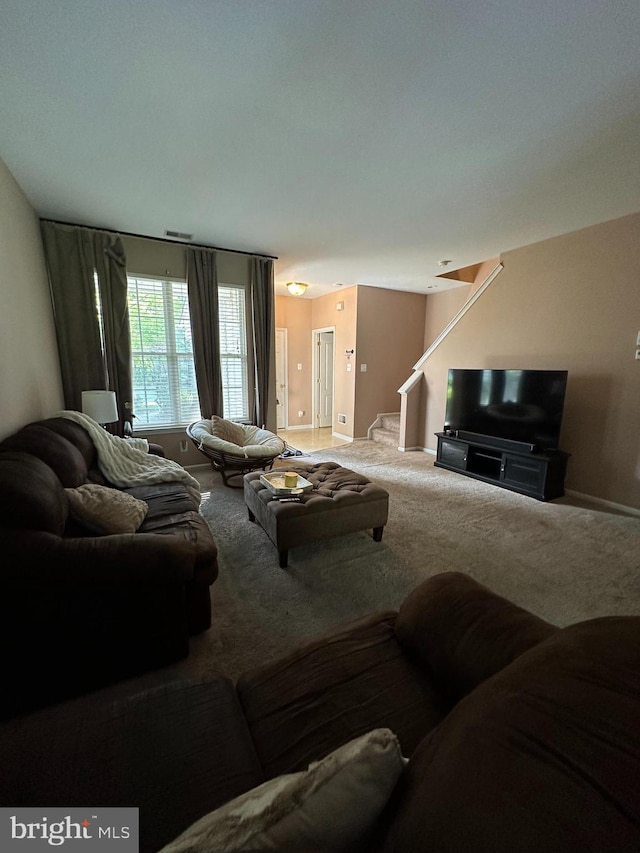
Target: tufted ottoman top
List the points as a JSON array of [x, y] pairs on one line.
[[341, 501], [329, 478]]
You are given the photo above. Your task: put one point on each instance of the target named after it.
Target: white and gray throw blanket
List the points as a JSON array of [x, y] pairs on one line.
[[127, 462]]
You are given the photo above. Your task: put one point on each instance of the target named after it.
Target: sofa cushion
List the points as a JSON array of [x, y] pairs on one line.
[[164, 499], [31, 497], [463, 633], [543, 756], [227, 430], [64, 459], [76, 435], [106, 510], [328, 691], [175, 752], [332, 806]]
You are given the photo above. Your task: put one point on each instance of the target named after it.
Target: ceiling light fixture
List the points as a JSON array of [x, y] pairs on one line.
[[296, 288]]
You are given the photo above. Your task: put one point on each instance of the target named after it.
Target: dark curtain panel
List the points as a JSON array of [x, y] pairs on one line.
[[87, 275], [111, 269], [202, 284], [262, 319]]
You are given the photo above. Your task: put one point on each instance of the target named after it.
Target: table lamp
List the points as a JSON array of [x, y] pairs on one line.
[[101, 406]]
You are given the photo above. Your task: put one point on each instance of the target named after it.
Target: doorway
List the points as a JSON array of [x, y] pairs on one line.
[[323, 358], [282, 390]]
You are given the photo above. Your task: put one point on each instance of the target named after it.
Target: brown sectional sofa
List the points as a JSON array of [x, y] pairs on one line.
[[521, 736], [79, 610]]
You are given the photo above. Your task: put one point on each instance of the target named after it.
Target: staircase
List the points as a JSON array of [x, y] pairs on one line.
[[386, 429]]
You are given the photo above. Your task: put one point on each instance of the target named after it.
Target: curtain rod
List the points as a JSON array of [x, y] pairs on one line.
[[159, 239]]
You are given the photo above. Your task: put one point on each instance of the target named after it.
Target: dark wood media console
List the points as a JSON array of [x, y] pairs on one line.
[[539, 475]]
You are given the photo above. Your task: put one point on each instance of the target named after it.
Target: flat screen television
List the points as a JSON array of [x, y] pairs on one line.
[[517, 405]]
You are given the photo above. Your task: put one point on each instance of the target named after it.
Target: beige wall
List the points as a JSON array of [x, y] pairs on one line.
[[385, 329], [30, 385], [572, 302], [390, 339], [294, 315], [325, 313], [156, 257], [441, 309], [300, 316]]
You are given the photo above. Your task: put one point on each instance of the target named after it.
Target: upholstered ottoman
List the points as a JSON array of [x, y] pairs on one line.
[[340, 502]]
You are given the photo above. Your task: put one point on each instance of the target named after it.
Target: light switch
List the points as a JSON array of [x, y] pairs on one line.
[[299, 366], [638, 355], [638, 340], [349, 365], [363, 368]]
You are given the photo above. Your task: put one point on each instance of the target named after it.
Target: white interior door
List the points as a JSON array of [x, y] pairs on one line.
[[324, 378], [281, 379]]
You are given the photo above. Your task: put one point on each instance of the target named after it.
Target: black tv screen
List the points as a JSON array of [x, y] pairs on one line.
[[519, 405]]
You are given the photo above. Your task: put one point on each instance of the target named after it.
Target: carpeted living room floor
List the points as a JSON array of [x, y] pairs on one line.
[[564, 560]]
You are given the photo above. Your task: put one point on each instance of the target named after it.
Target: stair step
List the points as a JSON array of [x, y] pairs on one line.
[[385, 436], [391, 422]]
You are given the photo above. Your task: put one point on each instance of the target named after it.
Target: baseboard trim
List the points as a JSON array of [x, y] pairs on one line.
[[297, 426], [629, 510], [409, 449], [342, 437]]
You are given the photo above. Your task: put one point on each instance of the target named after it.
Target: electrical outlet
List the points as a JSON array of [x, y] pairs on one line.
[[638, 355], [184, 446], [300, 413]]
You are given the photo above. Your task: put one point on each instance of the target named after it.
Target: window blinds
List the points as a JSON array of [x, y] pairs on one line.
[[163, 376]]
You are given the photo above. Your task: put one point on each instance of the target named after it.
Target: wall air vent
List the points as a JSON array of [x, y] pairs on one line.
[[342, 419], [178, 235]]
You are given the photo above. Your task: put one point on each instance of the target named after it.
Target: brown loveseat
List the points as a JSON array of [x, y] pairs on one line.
[[79, 610], [521, 736]]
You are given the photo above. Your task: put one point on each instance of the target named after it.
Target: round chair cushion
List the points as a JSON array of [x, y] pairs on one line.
[[258, 443]]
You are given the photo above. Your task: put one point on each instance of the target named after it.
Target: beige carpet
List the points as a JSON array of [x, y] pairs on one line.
[[563, 561]]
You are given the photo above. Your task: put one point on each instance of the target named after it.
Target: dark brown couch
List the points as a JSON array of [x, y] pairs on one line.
[[79, 610], [521, 737]]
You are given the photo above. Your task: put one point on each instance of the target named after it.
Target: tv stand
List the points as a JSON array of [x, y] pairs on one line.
[[495, 441], [519, 469]]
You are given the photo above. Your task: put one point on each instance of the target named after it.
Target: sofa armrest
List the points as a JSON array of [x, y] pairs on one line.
[[463, 633], [131, 559]]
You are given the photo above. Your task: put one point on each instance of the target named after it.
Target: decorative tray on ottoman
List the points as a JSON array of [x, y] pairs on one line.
[[275, 482]]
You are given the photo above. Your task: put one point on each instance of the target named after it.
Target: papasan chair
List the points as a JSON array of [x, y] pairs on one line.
[[235, 449]]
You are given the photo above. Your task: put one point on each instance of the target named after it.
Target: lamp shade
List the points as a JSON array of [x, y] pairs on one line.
[[100, 405], [296, 288]]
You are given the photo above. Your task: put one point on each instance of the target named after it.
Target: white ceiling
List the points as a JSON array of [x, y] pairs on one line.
[[360, 141]]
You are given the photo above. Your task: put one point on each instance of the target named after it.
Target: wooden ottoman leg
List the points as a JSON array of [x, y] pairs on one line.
[[377, 533], [284, 559]]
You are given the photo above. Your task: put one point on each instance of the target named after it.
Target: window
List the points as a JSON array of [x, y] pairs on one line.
[[233, 351], [163, 376], [162, 373]]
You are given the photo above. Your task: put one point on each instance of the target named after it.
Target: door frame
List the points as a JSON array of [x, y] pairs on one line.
[[315, 337], [285, 356]]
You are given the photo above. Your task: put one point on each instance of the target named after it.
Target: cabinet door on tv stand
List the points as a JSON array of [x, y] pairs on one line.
[[526, 473], [453, 453]]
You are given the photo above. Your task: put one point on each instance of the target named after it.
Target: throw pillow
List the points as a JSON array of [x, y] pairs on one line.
[[227, 430], [333, 806], [105, 510]]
